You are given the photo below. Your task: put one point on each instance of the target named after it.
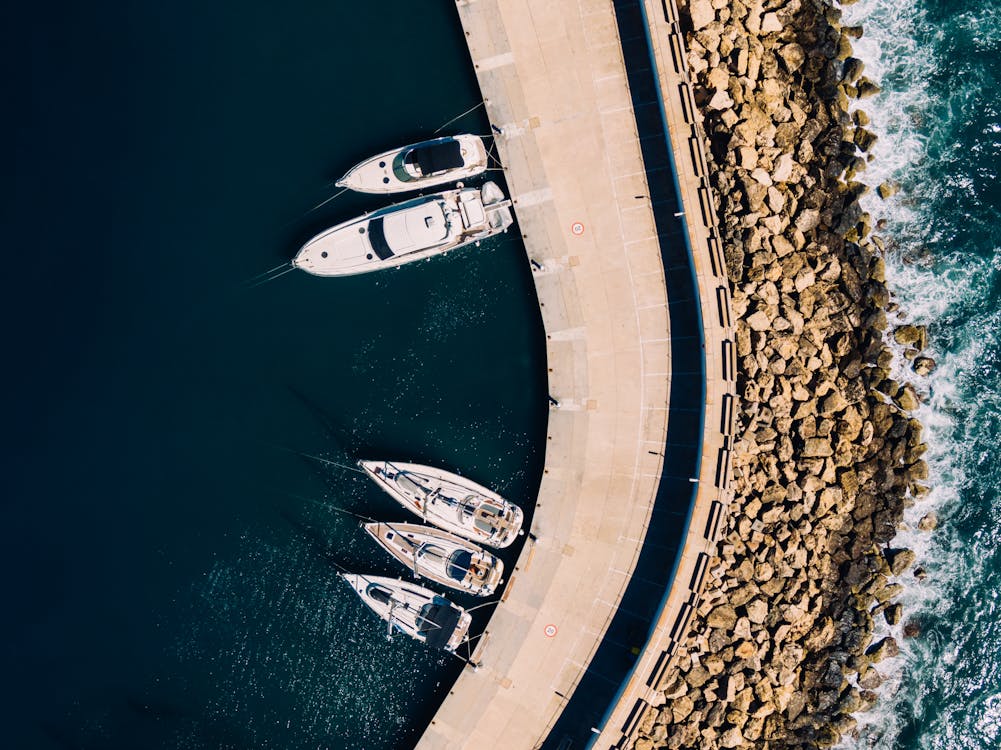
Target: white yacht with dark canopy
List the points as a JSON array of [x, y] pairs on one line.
[[408, 608], [449, 501], [439, 556], [419, 166], [413, 230]]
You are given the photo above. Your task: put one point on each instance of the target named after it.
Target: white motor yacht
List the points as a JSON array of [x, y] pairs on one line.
[[408, 608], [419, 166], [449, 501], [439, 556], [413, 230]]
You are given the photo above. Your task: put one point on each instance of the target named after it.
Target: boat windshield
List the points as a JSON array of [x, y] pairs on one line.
[[458, 564], [377, 238], [380, 594]]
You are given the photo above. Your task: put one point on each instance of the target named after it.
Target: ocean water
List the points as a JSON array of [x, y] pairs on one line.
[[939, 125], [168, 555]]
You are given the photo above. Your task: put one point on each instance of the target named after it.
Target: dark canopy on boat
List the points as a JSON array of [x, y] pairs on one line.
[[437, 622], [458, 564], [436, 157]]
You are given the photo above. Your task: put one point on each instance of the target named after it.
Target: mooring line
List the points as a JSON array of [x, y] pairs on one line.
[[266, 273], [459, 117], [328, 505], [262, 281], [323, 203], [317, 458]]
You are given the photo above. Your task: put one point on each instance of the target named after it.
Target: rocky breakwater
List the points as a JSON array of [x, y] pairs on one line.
[[781, 652]]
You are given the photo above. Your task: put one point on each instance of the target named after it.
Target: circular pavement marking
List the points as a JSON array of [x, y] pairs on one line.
[[577, 228], [550, 631]]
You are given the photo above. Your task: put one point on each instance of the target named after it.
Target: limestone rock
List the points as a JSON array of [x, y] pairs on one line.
[[770, 23], [723, 617], [870, 680], [909, 335], [793, 56], [883, 649], [817, 447], [887, 189], [759, 321], [721, 100], [893, 613], [899, 560], [681, 708], [808, 219], [701, 12]]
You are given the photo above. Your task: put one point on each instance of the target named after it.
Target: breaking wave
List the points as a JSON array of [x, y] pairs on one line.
[[939, 130]]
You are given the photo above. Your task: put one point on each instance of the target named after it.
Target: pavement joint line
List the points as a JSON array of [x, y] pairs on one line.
[[617, 177], [495, 61], [510, 87], [600, 46], [613, 110]]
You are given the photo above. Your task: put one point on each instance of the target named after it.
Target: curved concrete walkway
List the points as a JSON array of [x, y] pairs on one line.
[[558, 88], [554, 80]]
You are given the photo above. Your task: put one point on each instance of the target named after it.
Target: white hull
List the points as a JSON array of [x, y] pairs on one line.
[[415, 167], [449, 501], [440, 556], [413, 610], [406, 232]]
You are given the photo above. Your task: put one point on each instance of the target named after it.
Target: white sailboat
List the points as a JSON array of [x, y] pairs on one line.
[[439, 556], [413, 610], [449, 501]]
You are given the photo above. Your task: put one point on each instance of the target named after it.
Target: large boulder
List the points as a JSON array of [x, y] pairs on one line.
[[899, 560], [723, 617], [701, 13], [885, 648]]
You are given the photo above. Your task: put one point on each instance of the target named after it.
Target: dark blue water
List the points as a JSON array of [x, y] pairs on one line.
[[939, 123], [168, 564]]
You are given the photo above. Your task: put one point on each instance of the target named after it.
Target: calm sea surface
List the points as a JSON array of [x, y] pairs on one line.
[[168, 558], [939, 123]]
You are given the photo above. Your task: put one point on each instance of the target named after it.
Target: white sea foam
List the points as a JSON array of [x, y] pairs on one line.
[[941, 691]]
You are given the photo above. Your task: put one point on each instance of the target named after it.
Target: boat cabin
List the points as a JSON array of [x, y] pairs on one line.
[[401, 232]]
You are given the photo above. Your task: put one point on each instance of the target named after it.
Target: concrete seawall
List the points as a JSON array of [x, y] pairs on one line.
[[556, 85]]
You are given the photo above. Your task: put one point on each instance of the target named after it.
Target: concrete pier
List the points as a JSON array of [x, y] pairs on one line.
[[558, 95]]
